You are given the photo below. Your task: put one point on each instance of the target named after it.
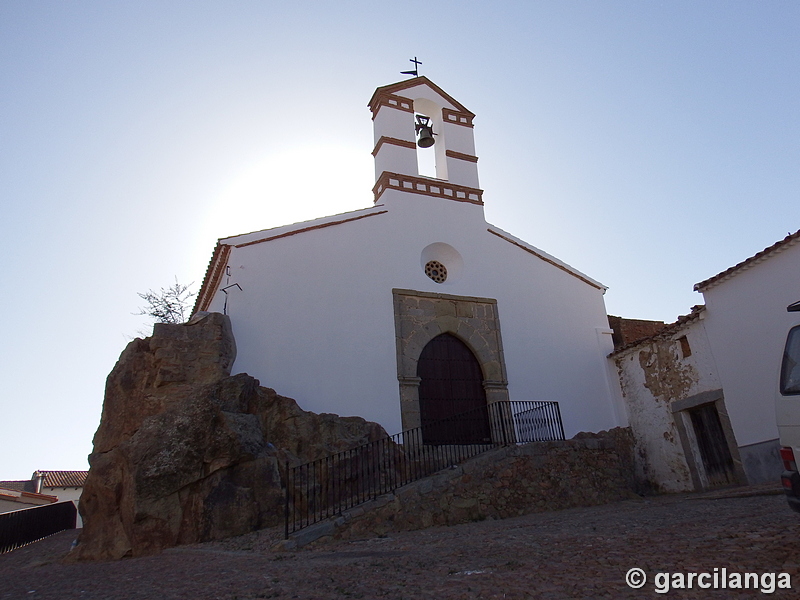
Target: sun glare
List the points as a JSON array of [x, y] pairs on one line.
[[297, 184]]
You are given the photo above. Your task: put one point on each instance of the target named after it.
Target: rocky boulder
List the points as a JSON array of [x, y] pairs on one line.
[[187, 453]]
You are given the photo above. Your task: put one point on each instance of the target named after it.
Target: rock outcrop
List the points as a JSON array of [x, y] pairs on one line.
[[187, 453]]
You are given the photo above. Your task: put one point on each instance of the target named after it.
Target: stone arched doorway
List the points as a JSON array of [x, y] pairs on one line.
[[422, 316], [452, 399]]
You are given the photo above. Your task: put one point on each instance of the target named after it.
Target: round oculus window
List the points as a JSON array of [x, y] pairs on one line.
[[436, 271]]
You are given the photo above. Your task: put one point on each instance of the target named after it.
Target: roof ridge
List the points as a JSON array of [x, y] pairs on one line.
[[545, 256], [413, 82], [757, 257]]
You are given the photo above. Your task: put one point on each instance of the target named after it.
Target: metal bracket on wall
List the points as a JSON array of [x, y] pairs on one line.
[[225, 291]]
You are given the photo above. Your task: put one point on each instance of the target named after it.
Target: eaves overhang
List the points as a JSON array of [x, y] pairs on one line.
[[787, 242]]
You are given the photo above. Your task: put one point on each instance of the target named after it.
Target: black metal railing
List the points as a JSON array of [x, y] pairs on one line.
[[324, 488], [22, 527]]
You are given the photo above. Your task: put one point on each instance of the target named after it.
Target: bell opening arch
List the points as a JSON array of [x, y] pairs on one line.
[[432, 161]]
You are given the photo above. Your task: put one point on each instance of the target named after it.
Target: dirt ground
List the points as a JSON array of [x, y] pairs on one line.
[[575, 553]]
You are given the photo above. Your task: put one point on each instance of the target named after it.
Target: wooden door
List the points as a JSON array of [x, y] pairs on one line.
[[452, 400], [713, 445]]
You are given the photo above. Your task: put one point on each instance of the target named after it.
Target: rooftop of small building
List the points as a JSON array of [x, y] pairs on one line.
[[25, 497], [664, 332], [63, 478], [51, 479]]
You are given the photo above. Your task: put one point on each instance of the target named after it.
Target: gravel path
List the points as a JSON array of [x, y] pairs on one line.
[[575, 553]]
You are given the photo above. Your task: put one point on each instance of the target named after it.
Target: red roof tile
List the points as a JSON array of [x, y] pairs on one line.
[[24, 485], [62, 478]]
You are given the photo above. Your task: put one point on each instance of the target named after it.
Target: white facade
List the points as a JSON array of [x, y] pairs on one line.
[[312, 304], [747, 324]]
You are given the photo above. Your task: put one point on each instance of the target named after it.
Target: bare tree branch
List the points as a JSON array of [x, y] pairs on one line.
[[168, 305]]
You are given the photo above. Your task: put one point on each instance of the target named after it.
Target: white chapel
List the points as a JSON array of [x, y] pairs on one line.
[[366, 313]]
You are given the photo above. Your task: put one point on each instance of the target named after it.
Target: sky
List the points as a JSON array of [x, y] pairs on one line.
[[648, 144]]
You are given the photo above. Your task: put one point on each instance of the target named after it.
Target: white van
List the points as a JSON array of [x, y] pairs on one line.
[[787, 408]]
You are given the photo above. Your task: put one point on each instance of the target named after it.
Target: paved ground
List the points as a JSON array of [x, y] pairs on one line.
[[575, 553]]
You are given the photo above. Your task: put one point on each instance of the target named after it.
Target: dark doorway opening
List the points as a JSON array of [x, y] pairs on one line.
[[713, 445], [452, 401]]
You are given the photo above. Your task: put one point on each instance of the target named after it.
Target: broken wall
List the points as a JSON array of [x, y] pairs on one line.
[[661, 378]]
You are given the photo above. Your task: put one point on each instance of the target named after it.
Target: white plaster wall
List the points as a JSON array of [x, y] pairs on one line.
[[747, 325], [459, 138], [648, 400], [462, 172], [395, 123], [315, 322], [396, 159], [549, 321], [315, 318]]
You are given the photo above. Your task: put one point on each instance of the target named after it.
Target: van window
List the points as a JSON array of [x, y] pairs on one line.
[[790, 369]]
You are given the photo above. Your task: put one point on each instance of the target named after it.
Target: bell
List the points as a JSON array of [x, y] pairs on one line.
[[425, 138], [424, 131]]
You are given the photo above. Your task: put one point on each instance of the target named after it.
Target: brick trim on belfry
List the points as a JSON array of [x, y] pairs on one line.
[[427, 187], [392, 101], [460, 156], [455, 117], [393, 141]]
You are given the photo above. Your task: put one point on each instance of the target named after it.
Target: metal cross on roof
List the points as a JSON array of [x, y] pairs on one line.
[[415, 72]]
